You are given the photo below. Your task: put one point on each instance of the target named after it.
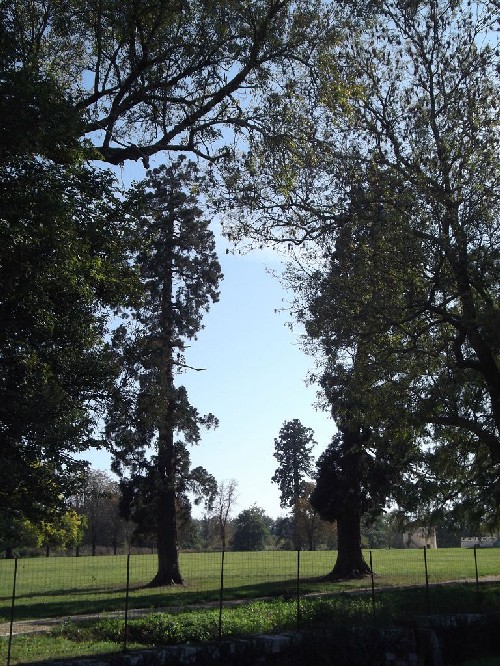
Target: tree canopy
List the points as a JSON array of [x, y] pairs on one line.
[[62, 262], [401, 213], [161, 76], [251, 529]]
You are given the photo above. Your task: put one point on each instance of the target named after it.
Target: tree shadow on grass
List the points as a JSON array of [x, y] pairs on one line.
[[78, 601]]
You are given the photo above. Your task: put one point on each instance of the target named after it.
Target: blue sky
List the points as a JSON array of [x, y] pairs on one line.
[[254, 381]]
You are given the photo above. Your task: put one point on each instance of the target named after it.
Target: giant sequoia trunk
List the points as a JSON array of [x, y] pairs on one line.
[[340, 496], [350, 561], [166, 506], [168, 554]]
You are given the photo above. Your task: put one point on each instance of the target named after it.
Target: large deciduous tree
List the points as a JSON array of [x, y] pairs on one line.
[[430, 120], [427, 139], [179, 272], [99, 502], [407, 185], [62, 262], [166, 76], [251, 529]]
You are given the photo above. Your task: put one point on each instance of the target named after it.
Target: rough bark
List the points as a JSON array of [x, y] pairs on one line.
[[350, 561], [168, 555], [168, 572]]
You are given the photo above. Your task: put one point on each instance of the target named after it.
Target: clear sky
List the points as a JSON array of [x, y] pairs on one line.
[[254, 380]]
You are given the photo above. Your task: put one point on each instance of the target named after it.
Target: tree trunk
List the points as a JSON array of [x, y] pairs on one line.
[[350, 561], [168, 554], [9, 553]]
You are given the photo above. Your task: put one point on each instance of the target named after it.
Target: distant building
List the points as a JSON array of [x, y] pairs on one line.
[[480, 542], [420, 537]]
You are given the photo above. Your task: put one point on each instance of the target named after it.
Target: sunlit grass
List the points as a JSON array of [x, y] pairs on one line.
[[65, 586]]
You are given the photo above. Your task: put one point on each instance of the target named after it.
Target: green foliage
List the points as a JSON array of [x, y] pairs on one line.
[[37, 117], [17, 531], [277, 615], [402, 294], [155, 76], [63, 531], [62, 262], [179, 275], [335, 616], [292, 450], [251, 529]]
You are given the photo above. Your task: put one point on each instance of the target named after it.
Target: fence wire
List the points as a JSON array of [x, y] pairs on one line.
[[59, 588]]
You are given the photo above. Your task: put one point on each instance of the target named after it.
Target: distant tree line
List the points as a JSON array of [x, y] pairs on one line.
[[94, 525]]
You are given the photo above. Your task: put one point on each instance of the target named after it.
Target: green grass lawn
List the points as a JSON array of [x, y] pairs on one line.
[[61, 586], [392, 606]]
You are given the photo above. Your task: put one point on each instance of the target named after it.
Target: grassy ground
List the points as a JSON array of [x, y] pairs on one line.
[[62, 586], [106, 635], [66, 586]]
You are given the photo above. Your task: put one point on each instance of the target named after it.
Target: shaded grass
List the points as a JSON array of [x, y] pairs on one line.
[[393, 607], [33, 649]]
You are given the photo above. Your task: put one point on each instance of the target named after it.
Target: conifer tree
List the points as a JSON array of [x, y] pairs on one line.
[[179, 272]]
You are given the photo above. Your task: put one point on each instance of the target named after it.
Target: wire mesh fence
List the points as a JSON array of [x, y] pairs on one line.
[[57, 588]]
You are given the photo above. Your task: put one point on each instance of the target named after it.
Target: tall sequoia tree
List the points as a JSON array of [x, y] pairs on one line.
[[292, 450], [179, 272], [365, 271], [339, 496]]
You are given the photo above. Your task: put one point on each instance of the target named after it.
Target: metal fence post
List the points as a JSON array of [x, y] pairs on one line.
[[477, 575], [125, 628], [298, 589], [12, 606], [475, 564], [221, 594], [373, 585], [426, 580]]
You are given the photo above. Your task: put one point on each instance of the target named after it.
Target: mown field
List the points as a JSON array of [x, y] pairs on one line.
[[62, 586]]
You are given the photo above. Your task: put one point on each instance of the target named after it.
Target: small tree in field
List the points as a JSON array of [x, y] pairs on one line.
[[223, 504], [179, 273], [251, 529]]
